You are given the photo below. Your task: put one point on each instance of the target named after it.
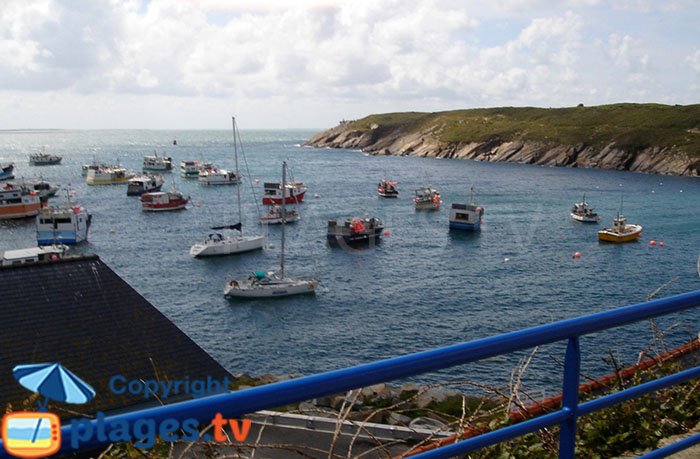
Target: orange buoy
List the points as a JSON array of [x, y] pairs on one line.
[[652, 242], [387, 232]]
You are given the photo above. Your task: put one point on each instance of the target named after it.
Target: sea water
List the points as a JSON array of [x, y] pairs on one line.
[[421, 288]]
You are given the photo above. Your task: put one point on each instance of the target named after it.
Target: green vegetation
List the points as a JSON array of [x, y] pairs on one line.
[[630, 126]]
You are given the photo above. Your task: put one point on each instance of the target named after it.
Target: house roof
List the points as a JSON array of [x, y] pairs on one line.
[[79, 312]]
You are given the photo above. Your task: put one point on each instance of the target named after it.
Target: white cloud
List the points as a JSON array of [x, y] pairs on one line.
[[694, 60]]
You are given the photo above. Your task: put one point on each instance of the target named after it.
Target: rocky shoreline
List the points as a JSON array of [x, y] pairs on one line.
[[400, 141]]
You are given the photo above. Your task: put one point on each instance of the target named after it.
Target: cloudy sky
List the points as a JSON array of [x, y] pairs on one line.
[[310, 63]]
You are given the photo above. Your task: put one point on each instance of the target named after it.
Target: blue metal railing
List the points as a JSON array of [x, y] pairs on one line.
[[239, 403]]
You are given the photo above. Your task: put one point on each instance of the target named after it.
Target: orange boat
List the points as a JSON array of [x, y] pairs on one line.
[[18, 202]]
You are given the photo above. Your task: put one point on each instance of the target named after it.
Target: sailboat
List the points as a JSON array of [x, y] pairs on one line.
[[216, 243], [266, 285]]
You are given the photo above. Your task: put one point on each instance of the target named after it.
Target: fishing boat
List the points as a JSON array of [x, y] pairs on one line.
[[161, 201], [355, 231], [427, 198], [32, 255], [466, 217], [67, 224], [44, 189], [266, 285], [276, 216], [108, 176], [583, 212], [620, 231], [216, 176], [6, 171], [18, 201], [387, 189], [146, 183], [44, 159], [157, 163], [293, 193], [216, 244], [191, 169]]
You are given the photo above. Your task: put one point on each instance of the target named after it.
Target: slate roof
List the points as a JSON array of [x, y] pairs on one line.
[[82, 314]]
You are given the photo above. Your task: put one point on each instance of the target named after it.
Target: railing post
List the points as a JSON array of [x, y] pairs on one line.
[[572, 367]]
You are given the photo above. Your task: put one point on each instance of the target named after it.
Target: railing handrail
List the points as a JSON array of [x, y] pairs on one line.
[[238, 403]]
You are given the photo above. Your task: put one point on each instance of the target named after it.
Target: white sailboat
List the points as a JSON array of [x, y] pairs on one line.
[[266, 285], [216, 244]]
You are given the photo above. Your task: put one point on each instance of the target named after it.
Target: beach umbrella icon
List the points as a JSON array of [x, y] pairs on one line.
[[54, 382]]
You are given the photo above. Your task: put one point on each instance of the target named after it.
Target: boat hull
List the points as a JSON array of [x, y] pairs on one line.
[[585, 219], [60, 237], [107, 180], [357, 239], [297, 198], [610, 236], [463, 226], [278, 220], [427, 205], [20, 210], [388, 195], [273, 290], [227, 246], [148, 207]]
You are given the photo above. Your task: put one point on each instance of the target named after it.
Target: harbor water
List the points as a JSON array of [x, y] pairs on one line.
[[421, 288]]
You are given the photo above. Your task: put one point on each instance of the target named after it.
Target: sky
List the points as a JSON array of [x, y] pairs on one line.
[[192, 64]]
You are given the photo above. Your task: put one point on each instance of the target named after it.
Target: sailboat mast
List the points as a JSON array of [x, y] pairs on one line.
[[284, 217], [238, 188]]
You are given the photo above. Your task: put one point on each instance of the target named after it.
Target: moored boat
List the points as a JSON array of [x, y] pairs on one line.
[[67, 224], [216, 176], [108, 176], [293, 193], [42, 187], [355, 231], [18, 201], [191, 169], [427, 198], [275, 216], [146, 183], [6, 171], [44, 159], [583, 212], [387, 189], [620, 231], [466, 217], [157, 163], [161, 201], [33, 255]]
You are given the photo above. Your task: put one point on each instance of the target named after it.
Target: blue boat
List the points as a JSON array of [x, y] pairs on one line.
[[355, 231], [466, 217], [6, 171], [62, 225]]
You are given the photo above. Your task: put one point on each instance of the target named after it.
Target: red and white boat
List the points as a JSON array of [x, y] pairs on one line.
[[18, 202], [163, 200], [293, 193]]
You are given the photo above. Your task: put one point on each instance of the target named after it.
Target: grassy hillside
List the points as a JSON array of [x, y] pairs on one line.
[[630, 126]]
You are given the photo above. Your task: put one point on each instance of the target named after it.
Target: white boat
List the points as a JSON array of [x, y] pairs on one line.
[[44, 159], [6, 171], [146, 183], [157, 163], [275, 216], [191, 169], [162, 201], [216, 176], [108, 176], [18, 201], [33, 255], [466, 217], [266, 285], [387, 189], [427, 198], [216, 244], [582, 212], [67, 224]]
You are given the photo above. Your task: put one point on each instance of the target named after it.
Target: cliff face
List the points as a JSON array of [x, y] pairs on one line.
[[402, 141]]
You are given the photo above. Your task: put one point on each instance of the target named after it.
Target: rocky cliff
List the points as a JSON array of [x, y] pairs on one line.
[[419, 139]]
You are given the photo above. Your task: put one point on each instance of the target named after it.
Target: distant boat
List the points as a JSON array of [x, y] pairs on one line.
[[6, 171], [161, 201], [620, 231], [216, 176], [275, 216], [387, 189], [44, 159], [267, 285], [191, 169], [355, 231], [146, 183], [33, 255], [217, 244], [42, 187], [157, 163], [108, 176], [427, 198], [66, 224], [466, 217], [18, 201], [582, 212], [293, 193]]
